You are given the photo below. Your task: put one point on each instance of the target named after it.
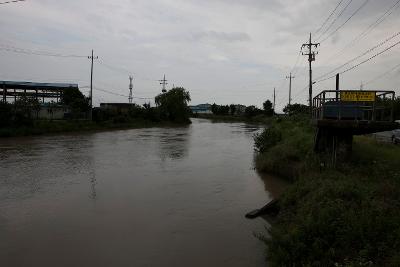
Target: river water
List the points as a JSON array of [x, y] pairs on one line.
[[140, 197]]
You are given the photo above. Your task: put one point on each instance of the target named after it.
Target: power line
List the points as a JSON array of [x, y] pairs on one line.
[[382, 75], [116, 69], [344, 23], [363, 54], [37, 53], [117, 94], [334, 21], [362, 62], [368, 29], [329, 17], [9, 2]]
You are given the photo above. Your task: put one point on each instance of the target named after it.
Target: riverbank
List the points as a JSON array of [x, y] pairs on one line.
[[42, 127], [346, 216], [234, 118]]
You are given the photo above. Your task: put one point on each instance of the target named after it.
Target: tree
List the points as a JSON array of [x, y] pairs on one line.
[[232, 109], [295, 109], [397, 109], [74, 99], [220, 110], [268, 108], [252, 111], [25, 110], [173, 105], [6, 114]]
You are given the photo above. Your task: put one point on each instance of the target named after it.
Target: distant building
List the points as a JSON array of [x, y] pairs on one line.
[[51, 111], [201, 109], [48, 95]]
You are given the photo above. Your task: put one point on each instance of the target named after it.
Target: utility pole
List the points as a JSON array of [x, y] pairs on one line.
[[311, 57], [290, 77], [91, 83], [130, 98], [274, 99], [164, 83]]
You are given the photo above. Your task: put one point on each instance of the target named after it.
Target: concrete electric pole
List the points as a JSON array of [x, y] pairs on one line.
[[130, 98], [311, 57], [92, 57], [290, 77]]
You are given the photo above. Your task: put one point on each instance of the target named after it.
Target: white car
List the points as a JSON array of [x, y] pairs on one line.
[[396, 136]]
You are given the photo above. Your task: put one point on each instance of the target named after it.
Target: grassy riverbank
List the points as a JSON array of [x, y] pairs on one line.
[[348, 216], [42, 127], [234, 118]]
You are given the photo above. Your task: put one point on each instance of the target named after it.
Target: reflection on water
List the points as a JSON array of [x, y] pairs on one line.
[[174, 144], [142, 197]]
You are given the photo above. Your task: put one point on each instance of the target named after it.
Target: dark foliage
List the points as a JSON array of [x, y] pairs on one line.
[[173, 105], [74, 99], [221, 110], [397, 109], [296, 109], [252, 111], [268, 108]]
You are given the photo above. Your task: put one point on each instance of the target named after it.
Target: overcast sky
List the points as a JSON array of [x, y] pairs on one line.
[[222, 51]]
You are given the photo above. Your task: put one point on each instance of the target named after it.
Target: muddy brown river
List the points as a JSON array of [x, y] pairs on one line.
[[140, 197]]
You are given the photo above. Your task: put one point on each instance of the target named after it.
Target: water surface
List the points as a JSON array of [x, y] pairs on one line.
[[141, 197]]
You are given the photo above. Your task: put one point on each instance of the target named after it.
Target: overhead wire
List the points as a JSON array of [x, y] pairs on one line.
[[365, 32], [362, 62], [9, 2], [329, 17], [334, 21], [37, 53], [382, 75], [363, 54], [344, 23]]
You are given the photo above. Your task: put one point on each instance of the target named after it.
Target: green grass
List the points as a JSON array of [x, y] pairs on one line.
[[348, 216], [285, 147]]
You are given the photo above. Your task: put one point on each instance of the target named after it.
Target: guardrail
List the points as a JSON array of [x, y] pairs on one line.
[[354, 105]]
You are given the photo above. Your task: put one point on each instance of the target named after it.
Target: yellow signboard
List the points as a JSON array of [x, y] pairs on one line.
[[361, 96]]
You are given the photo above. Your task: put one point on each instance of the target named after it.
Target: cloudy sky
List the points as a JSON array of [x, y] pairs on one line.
[[223, 51]]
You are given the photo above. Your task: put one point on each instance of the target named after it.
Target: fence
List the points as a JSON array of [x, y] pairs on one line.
[[354, 105]]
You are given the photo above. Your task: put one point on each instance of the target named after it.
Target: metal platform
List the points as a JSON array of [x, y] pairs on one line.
[[355, 112], [339, 115]]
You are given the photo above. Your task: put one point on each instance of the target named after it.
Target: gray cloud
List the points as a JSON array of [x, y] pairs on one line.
[[224, 51], [222, 36]]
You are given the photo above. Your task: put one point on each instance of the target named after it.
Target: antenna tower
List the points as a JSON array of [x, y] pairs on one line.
[[164, 83]]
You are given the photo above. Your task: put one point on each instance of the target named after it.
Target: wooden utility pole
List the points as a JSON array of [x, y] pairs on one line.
[[311, 57], [92, 57], [274, 99], [290, 77]]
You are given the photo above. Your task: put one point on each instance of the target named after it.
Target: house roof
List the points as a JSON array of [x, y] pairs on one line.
[[38, 86]]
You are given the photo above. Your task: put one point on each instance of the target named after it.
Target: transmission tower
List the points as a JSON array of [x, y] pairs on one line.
[[164, 83], [130, 98]]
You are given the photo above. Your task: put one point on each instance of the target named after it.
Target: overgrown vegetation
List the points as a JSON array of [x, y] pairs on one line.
[[20, 118], [243, 112], [397, 108], [348, 216]]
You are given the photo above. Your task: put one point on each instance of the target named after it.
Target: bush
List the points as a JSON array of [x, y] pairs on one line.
[[343, 217], [269, 138], [285, 148]]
